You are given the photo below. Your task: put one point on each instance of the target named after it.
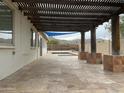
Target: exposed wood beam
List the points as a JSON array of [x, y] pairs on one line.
[[62, 18], [65, 22], [91, 3], [65, 10], [55, 29], [63, 27], [66, 15], [69, 15]]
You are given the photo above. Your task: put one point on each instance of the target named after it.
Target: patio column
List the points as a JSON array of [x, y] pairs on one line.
[[114, 62], [82, 54], [82, 41], [93, 40], [93, 57], [115, 35]]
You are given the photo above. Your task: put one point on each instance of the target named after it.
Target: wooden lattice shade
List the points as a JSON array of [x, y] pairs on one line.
[[69, 15]]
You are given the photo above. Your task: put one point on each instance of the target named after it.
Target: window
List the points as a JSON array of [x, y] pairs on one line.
[[33, 38], [38, 37], [6, 27]]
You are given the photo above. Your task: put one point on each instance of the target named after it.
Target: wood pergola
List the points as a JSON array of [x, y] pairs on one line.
[[82, 16], [69, 15], [74, 15]]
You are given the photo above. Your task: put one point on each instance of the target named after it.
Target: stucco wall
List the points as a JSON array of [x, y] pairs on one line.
[[24, 54], [44, 47]]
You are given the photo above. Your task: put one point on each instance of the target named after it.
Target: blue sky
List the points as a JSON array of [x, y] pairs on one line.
[[101, 32]]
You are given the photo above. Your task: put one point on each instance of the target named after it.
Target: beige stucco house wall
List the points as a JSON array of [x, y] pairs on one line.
[[14, 57]]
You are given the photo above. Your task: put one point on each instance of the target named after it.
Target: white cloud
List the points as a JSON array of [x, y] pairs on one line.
[[68, 36]]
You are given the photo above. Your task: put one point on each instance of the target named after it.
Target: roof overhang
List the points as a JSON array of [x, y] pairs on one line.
[[69, 15]]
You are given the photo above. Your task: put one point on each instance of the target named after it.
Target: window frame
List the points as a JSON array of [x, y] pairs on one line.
[[12, 43], [38, 38], [33, 44]]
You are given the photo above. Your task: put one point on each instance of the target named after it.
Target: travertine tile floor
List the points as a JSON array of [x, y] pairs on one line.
[[62, 74]]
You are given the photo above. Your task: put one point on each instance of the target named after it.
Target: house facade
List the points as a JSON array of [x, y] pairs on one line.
[[20, 42]]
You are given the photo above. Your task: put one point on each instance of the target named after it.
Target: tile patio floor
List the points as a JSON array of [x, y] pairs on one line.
[[62, 74]]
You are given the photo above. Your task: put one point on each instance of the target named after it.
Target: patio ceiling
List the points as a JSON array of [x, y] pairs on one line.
[[69, 15]]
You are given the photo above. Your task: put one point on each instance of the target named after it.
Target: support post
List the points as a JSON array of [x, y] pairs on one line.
[[82, 41], [82, 54], [115, 35], [93, 40], [93, 57], [114, 62]]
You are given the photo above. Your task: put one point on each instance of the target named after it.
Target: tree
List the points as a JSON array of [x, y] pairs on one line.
[[122, 25], [53, 42], [108, 26]]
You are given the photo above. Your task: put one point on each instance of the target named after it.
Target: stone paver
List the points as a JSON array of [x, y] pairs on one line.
[[62, 74]]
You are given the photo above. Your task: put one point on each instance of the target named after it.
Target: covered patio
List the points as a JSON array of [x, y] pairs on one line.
[[53, 73], [81, 16]]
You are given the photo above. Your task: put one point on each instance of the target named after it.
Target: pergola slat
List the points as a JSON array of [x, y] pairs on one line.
[[116, 3], [63, 9], [64, 21], [64, 15], [61, 29], [84, 18]]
